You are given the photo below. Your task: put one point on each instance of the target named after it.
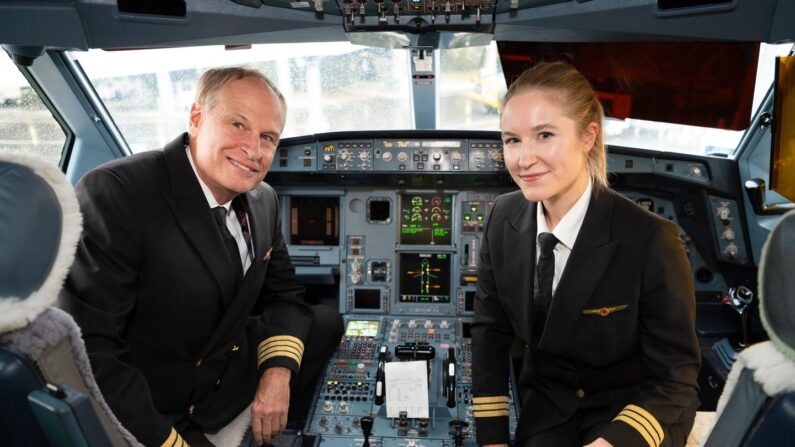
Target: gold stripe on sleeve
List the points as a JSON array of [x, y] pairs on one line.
[[484, 407], [490, 400], [652, 421], [295, 346], [283, 338], [490, 414], [288, 354], [274, 348], [638, 427], [172, 438]]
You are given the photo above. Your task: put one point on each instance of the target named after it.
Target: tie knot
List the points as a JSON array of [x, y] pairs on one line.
[[219, 213], [547, 243]]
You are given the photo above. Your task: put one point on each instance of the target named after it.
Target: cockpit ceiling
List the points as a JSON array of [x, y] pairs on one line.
[[84, 24], [702, 84]]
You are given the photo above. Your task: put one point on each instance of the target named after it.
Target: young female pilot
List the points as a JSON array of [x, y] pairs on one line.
[[597, 289]]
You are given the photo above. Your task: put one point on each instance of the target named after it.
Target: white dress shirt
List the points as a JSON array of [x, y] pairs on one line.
[[231, 218], [566, 231]]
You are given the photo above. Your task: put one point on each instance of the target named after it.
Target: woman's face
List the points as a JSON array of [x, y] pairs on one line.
[[544, 151]]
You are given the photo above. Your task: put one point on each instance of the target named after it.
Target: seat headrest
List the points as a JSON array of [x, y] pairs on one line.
[[777, 286], [40, 224]]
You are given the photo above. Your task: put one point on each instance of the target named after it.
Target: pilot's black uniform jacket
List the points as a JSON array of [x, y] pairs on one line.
[[175, 335], [619, 347]]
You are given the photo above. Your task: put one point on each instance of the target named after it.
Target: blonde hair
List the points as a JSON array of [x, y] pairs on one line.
[[213, 79], [579, 103]]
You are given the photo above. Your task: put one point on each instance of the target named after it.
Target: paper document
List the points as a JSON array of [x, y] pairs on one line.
[[407, 389]]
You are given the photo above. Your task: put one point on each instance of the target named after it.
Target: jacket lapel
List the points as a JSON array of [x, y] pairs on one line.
[[193, 215], [519, 251], [588, 260], [260, 218]]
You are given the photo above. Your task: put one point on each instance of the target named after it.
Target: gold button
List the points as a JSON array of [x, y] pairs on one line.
[[235, 347], [580, 393], [191, 408], [199, 363]]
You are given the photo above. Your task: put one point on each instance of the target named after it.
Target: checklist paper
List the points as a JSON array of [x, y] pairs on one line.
[[406, 389]]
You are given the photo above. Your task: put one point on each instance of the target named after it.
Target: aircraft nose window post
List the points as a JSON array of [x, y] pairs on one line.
[[425, 251]]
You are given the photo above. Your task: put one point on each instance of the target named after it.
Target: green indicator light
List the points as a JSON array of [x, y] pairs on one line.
[[467, 217], [474, 209], [480, 217]]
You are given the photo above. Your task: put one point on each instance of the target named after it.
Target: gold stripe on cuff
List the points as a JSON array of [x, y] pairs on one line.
[[283, 338], [652, 421], [638, 427], [287, 354], [490, 414], [274, 348], [291, 344], [172, 437], [483, 407], [490, 400]]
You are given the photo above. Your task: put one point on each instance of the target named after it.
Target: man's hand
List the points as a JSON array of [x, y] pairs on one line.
[[269, 409], [601, 442]]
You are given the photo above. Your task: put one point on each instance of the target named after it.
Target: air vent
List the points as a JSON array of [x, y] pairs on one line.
[[167, 8]]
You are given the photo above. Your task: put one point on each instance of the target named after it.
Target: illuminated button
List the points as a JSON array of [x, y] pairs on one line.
[[474, 209], [467, 217], [480, 217]]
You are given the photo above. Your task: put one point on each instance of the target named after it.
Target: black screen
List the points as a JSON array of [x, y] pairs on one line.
[[314, 220], [367, 298], [426, 219], [379, 211], [424, 278]]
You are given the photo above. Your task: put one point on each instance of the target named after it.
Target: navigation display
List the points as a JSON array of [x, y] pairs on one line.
[[362, 328], [424, 278], [426, 219], [314, 220]]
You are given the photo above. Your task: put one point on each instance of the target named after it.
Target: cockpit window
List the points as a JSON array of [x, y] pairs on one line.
[[328, 86], [471, 87], [26, 124]]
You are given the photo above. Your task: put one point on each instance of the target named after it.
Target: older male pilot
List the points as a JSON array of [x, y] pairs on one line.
[[182, 283]]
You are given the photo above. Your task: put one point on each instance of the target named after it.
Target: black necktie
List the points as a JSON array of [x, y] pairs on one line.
[[545, 271], [219, 213], [546, 267]]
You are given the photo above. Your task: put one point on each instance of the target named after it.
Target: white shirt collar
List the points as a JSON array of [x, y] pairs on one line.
[[206, 189], [567, 229]]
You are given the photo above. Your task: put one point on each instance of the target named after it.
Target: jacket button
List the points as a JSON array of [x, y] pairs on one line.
[[191, 408], [199, 363], [580, 393], [235, 347], [217, 382]]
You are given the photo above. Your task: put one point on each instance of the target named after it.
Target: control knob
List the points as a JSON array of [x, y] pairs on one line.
[[344, 407], [402, 156], [328, 158], [328, 406], [428, 324], [455, 156], [444, 324], [436, 156], [360, 367], [728, 234], [732, 250], [412, 324], [387, 156], [364, 156]]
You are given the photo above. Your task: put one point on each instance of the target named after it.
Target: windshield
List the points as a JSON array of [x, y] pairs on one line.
[[339, 86], [328, 86]]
